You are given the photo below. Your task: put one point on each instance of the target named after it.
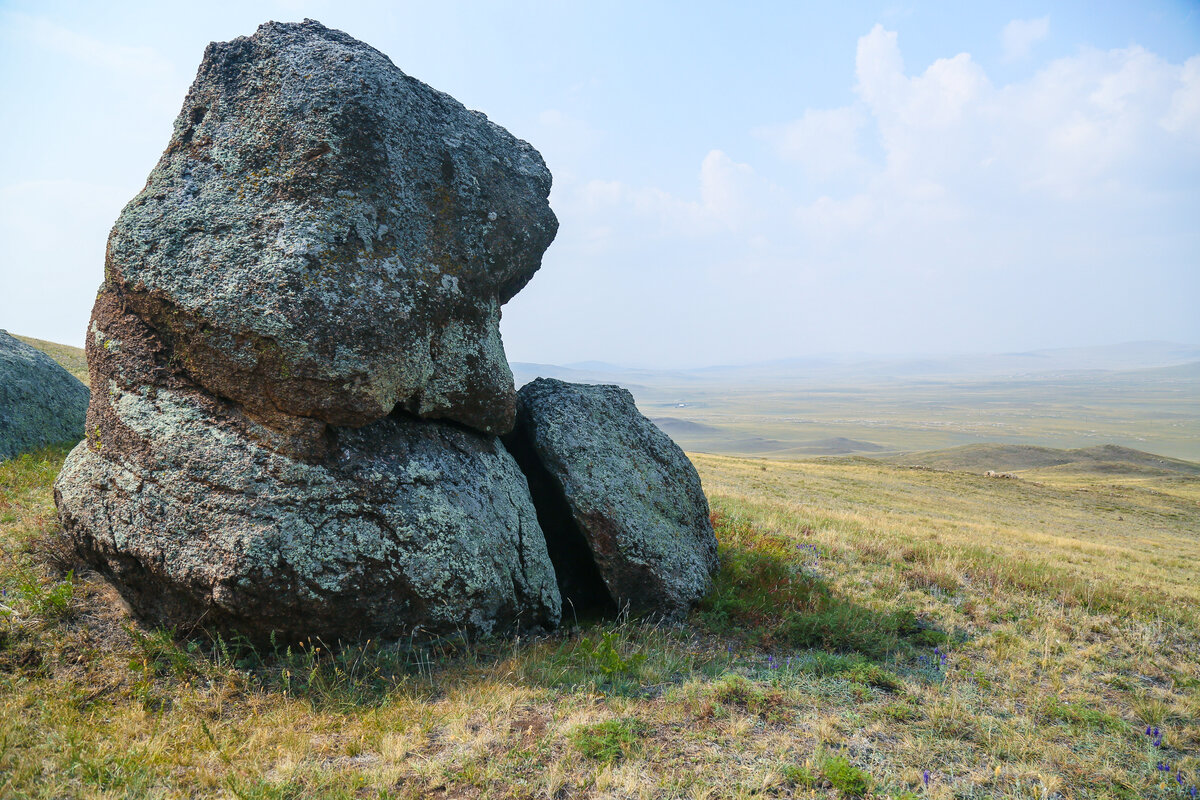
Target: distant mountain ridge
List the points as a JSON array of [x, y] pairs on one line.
[[1126, 356]]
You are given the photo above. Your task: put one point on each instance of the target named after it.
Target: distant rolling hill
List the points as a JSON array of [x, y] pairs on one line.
[[704, 438], [71, 358], [1107, 458]]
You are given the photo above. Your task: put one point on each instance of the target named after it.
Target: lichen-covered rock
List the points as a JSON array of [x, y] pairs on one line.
[[626, 520], [40, 402], [327, 237], [406, 525], [206, 519]]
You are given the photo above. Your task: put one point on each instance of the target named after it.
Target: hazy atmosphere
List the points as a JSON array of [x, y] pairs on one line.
[[798, 179], [837, 439]]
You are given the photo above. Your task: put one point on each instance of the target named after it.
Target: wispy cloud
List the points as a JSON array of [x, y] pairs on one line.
[[138, 61], [1020, 35]]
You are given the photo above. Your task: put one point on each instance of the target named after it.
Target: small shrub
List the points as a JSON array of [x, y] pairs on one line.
[[928, 637], [845, 777], [606, 657], [610, 741]]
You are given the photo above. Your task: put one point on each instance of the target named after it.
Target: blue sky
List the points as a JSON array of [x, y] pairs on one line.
[[733, 184]]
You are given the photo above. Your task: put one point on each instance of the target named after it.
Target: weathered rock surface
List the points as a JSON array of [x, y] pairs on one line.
[[189, 506], [626, 521], [326, 237], [40, 402], [299, 379]]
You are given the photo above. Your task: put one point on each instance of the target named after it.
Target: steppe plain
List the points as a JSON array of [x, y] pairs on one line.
[[889, 620]]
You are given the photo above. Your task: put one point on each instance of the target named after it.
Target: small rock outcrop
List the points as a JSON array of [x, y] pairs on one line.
[[327, 237], [300, 384], [40, 402], [626, 521]]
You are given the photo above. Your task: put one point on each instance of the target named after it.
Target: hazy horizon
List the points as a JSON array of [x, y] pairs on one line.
[[858, 356], [782, 182]]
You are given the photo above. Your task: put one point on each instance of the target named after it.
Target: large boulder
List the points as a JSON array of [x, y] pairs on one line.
[[297, 364], [402, 526], [327, 237], [40, 402], [625, 518]]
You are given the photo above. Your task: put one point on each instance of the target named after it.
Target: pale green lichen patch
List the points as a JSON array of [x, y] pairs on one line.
[[436, 521]]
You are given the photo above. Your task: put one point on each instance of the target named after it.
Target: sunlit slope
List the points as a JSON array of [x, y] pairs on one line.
[[1110, 459], [71, 358], [1134, 548]]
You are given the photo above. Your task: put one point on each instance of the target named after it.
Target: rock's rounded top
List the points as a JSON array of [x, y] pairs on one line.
[[328, 237], [40, 402]]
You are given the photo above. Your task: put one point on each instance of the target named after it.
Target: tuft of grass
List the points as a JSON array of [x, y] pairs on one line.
[[767, 703], [798, 776], [1084, 717], [609, 741], [845, 777]]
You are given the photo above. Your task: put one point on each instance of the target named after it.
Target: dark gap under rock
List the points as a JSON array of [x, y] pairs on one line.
[[584, 593]]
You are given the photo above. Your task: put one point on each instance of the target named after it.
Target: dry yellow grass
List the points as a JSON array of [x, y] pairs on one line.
[[1068, 612]]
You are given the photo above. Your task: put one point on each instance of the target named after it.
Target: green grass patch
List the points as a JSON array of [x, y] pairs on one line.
[[764, 594], [610, 741], [848, 779], [798, 776], [1081, 716]]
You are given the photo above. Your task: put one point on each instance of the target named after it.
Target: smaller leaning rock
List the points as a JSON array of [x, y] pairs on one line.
[[40, 402], [626, 520]]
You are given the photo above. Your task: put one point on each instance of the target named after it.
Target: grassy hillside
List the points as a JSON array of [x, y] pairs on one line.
[[1014, 458], [73, 359], [872, 623]]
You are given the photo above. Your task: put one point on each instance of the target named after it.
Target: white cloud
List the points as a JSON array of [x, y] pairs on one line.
[[1020, 35], [823, 141], [1036, 192], [730, 199], [1101, 124], [1183, 116]]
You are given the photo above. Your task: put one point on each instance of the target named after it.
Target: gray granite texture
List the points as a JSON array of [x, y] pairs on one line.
[[400, 527], [622, 507], [327, 237], [40, 402]]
